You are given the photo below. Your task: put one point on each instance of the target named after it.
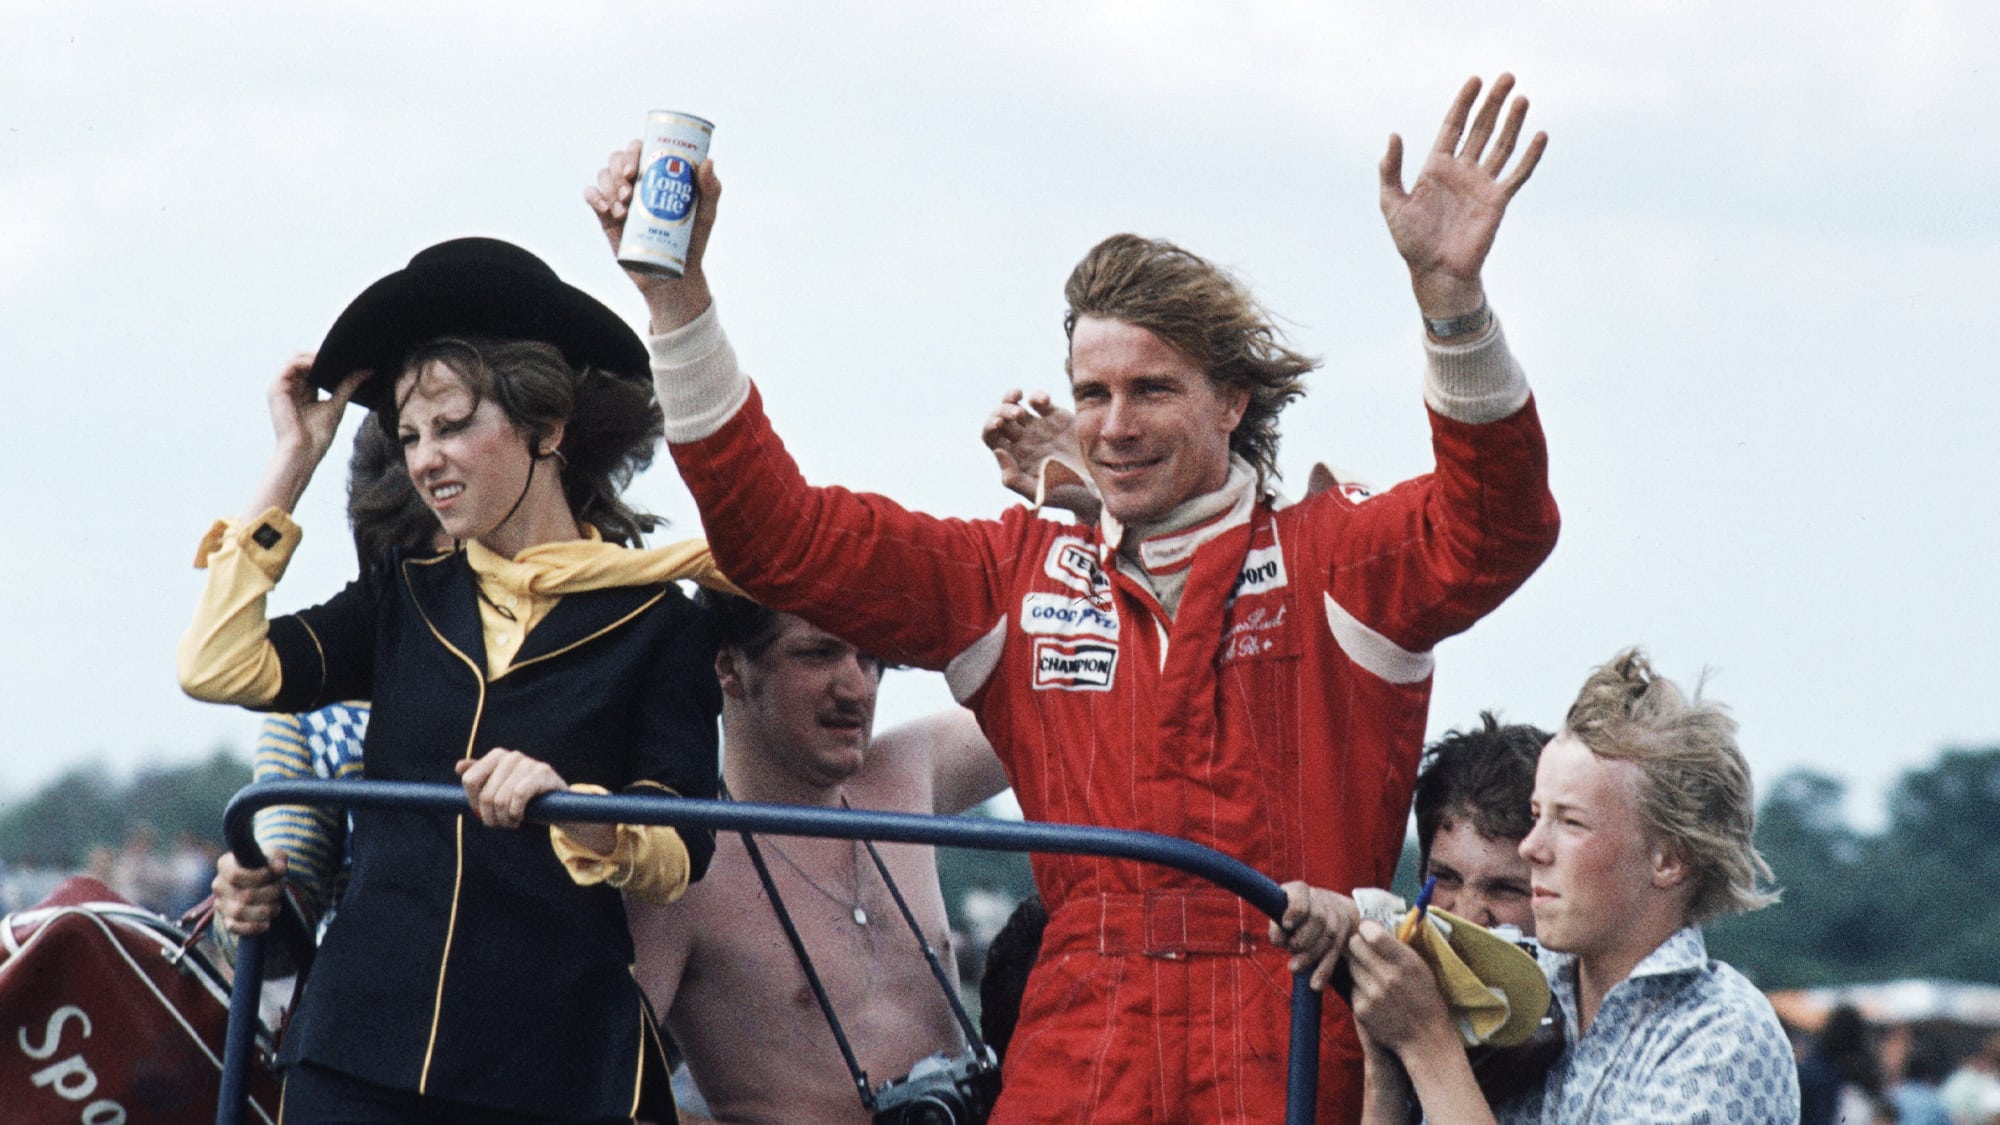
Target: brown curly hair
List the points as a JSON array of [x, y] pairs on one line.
[[612, 426], [383, 508], [1201, 311]]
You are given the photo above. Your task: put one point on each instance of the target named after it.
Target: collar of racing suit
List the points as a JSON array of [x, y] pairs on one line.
[[1157, 554]]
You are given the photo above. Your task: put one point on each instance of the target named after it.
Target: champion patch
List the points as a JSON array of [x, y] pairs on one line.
[[1073, 563], [1059, 615], [1074, 665], [1263, 571]]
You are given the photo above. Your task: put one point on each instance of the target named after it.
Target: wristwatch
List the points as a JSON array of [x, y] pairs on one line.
[[1453, 326]]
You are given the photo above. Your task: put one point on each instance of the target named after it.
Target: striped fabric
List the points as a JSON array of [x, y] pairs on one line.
[[325, 743]]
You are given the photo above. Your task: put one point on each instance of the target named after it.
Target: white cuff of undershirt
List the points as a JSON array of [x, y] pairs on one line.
[[695, 374], [1474, 382]]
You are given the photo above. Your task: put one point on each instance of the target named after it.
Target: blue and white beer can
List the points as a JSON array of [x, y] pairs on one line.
[[661, 217]]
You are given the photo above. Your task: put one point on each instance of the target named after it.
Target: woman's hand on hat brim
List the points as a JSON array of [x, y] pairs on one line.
[[304, 425]]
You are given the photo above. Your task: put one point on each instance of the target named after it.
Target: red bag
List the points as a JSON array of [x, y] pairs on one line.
[[109, 1016]]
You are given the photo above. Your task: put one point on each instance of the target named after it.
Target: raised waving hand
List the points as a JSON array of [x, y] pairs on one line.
[[1444, 224]]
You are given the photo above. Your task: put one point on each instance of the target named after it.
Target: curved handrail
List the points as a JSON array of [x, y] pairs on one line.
[[1302, 1076]]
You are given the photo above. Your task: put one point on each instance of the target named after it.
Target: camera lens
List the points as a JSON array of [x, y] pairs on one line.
[[930, 1111]]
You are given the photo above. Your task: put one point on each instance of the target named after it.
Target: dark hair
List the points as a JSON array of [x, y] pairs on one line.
[[383, 507], [611, 426], [1008, 961], [1199, 310], [738, 622], [1845, 1041], [1485, 776]]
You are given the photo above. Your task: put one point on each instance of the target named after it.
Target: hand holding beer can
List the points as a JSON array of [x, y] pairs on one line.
[[661, 219]]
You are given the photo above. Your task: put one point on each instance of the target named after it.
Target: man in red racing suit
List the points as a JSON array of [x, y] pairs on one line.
[[1208, 662]]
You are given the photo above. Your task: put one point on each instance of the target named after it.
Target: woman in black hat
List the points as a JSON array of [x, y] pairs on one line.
[[478, 971]]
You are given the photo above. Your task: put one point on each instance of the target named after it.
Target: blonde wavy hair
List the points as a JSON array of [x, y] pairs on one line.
[[1201, 311], [1696, 794]]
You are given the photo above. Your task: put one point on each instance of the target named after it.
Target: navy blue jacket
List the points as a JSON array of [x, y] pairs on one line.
[[464, 963]]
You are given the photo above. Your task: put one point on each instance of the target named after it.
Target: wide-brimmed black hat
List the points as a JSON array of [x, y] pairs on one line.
[[471, 285]]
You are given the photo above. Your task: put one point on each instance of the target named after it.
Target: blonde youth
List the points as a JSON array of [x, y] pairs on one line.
[[1696, 794]]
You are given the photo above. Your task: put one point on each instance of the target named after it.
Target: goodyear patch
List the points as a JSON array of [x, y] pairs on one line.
[[1074, 665], [1059, 615]]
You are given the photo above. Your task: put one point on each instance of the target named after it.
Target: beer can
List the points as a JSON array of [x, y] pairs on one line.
[[660, 220]]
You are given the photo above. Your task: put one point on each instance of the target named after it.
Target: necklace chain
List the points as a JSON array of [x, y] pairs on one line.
[[488, 599], [859, 915]]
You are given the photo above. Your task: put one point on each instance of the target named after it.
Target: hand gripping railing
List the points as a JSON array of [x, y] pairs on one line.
[[1302, 1074]]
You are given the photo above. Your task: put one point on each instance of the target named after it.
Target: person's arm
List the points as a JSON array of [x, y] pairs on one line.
[[226, 655], [1398, 1007], [964, 768], [855, 563], [662, 945], [304, 843], [313, 837], [1385, 1090], [1447, 548], [304, 425], [672, 302], [647, 861]]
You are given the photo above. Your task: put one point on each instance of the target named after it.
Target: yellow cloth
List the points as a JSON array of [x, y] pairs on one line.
[[1495, 991], [226, 656], [529, 584], [648, 862]]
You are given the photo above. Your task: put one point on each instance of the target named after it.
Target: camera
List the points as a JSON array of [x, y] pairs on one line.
[[942, 1089]]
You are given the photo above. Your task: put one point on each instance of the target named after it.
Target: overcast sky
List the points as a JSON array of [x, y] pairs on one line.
[[1752, 285]]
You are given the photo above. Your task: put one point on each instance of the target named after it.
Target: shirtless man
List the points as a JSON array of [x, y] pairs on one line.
[[798, 705]]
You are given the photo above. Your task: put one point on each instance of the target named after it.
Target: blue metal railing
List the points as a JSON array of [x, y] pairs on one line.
[[1302, 1075]]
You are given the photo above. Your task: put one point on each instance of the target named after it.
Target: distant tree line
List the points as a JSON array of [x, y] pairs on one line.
[[87, 808], [1921, 898]]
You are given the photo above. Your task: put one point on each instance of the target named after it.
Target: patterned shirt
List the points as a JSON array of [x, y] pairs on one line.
[[326, 744], [1683, 1039]]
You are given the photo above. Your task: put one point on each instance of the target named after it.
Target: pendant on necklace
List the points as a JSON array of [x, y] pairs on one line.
[[860, 916]]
